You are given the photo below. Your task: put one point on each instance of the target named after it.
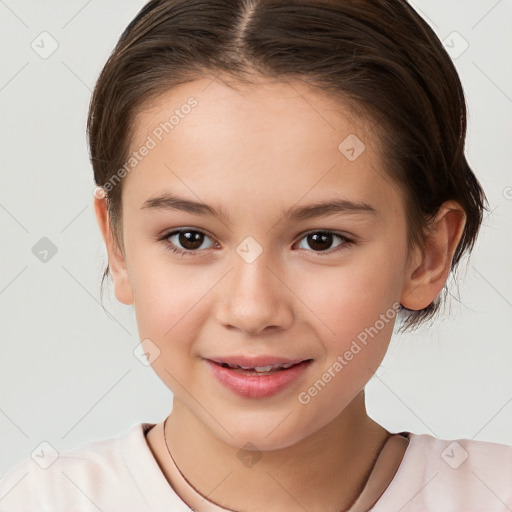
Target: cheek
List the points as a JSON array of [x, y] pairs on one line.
[[172, 307], [166, 298], [356, 307], [350, 298], [360, 325], [167, 304]]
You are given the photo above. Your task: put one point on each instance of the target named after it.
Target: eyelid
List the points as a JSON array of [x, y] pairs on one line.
[[174, 231], [166, 234], [342, 234], [347, 240]]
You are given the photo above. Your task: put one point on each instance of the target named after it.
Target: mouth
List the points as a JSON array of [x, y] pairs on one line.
[[259, 370], [257, 377]]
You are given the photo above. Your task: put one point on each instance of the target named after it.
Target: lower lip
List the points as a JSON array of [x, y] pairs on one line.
[[257, 386]]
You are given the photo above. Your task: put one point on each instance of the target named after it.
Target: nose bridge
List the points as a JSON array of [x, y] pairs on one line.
[[253, 296]]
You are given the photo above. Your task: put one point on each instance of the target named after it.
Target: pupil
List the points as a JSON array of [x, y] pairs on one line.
[[324, 236], [318, 241], [190, 237]]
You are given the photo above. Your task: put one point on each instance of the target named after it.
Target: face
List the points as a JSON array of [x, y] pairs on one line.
[[267, 280]]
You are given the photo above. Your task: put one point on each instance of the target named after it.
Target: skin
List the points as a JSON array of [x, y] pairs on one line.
[[257, 151]]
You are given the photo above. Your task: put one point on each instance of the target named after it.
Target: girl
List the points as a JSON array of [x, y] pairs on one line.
[[279, 182]]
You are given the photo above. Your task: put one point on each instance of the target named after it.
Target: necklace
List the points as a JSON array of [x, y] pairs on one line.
[[383, 471]]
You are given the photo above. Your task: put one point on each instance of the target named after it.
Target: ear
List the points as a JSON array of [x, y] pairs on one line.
[[116, 259], [430, 268]]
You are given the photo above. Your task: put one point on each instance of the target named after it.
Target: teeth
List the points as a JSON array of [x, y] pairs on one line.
[[260, 369]]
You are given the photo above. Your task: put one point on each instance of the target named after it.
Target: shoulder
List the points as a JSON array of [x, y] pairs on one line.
[[464, 459], [80, 478], [453, 475]]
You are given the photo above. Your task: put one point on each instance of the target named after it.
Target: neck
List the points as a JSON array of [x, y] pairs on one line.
[[323, 472]]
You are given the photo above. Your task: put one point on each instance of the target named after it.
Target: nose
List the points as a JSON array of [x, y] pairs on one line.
[[254, 297]]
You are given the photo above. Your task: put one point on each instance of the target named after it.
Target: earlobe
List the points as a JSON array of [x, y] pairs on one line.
[[116, 259], [430, 269]]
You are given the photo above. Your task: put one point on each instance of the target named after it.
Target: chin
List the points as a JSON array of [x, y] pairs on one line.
[[265, 432]]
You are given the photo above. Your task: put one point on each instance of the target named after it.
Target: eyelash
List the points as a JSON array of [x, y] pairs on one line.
[[347, 242]]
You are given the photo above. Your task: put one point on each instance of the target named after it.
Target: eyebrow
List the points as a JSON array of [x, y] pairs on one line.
[[169, 201]]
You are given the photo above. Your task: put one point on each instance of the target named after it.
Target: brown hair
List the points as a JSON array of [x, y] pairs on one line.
[[379, 56]]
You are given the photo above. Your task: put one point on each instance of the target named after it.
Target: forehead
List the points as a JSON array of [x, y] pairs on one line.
[[283, 140], [262, 107]]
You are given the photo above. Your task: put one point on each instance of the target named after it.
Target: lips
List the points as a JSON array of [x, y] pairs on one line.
[[259, 369], [257, 377], [244, 361]]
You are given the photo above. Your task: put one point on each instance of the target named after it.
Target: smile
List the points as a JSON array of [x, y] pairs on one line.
[[259, 369], [259, 379]]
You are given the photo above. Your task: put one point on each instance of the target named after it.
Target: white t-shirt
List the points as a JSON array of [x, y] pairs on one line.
[[121, 474]]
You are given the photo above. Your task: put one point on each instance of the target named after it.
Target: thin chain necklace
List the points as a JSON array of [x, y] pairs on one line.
[[383, 471]]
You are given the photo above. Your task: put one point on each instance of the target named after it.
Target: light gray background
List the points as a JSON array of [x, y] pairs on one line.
[[67, 370]]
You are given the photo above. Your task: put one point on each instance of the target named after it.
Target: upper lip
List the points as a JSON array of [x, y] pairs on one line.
[[255, 361]]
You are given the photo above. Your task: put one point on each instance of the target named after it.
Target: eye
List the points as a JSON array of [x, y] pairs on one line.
[[190, 241], [320, 241]]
